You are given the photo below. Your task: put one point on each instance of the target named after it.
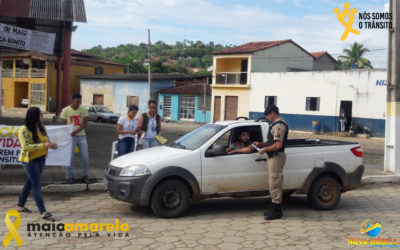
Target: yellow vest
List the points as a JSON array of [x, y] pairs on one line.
[[29, 149]]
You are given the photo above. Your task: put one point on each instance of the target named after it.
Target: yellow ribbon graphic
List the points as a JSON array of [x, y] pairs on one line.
[[12, 228]]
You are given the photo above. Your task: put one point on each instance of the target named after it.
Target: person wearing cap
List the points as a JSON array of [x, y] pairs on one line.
[[275, 149]]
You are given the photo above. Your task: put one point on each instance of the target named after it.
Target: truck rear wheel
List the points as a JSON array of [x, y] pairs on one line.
[[170, 199], [325, 193]]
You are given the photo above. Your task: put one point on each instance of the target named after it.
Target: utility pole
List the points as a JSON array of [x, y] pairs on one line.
[[204, 100], [149, 65], [392, 130]]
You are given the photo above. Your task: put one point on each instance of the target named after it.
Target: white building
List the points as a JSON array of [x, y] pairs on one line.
[[303, 97]]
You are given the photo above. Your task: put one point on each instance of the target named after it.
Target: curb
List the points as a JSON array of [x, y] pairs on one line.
[[56, 188], [381, 179]]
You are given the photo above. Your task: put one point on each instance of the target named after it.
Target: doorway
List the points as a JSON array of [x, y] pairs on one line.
[[21, 94], [347, 106], [217, 108], [231, 107]]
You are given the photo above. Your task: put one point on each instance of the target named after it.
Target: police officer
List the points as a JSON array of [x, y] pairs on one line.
[[275, 149]]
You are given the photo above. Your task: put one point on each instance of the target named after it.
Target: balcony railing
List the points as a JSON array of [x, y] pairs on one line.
[[7, 73], [38, 73], [21, 73], [24, 73], [235, 78]]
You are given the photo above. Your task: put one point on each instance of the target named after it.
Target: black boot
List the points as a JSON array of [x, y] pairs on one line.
[[274, 213]]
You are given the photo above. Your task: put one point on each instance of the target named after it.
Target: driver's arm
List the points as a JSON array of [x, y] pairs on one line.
[[244, 150], [229, 149]]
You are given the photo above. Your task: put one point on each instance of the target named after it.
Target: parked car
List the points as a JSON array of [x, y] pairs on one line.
[[25, 102], [101, 114], [196, 167]]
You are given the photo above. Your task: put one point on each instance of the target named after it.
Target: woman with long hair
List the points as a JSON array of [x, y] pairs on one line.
[[34, 147]]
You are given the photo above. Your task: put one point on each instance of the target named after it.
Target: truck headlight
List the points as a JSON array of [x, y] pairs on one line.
[[135, 170]]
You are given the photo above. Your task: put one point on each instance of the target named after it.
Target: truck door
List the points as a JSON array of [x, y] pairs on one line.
[[237, 172]]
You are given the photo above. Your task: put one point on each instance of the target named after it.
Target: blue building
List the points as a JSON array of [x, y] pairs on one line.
[[118, 91], [185, 103]]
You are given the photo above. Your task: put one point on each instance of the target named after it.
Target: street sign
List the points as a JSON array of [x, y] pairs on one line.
[[19, 38]]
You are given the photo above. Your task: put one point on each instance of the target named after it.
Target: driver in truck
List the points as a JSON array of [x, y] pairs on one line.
[[242, 146], [275, 149]]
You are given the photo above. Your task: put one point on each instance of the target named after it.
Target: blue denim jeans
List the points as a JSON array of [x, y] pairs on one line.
[[33, 170], [125, 145], [81, 142], [149, 143]]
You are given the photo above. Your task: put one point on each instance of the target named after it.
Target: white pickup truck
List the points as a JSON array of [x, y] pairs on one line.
[[195, 167]]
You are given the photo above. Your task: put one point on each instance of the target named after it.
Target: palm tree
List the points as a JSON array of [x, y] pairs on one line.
[[354, 56]]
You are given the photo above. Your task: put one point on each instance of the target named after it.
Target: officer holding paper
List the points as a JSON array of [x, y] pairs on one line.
[[275, 149]]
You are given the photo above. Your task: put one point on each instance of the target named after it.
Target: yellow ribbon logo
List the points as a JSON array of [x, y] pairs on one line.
[[341, 16], [12, 228]]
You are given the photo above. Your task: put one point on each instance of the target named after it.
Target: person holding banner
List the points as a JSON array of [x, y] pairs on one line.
[[126, 130], [34, 147], [78, 116]]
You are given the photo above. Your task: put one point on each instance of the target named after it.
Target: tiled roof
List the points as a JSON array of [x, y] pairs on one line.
[[321, 53], [250, 47], [318, 54], [53, 10], [58, 10], [188, 89]]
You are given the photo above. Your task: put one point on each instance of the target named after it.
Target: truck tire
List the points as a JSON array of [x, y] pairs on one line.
[[325, 193], [99, 119], [170, 199]]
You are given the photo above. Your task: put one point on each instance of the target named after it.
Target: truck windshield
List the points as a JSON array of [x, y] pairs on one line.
[[197, 137]]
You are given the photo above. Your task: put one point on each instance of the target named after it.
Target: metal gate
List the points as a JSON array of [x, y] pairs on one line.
[[38, 95]]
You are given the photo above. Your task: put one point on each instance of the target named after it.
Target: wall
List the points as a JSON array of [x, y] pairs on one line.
[[88, 69], [363, 87], [95, 87], [324, 62], [199, 116], [174, 106], [242, 92], [280, 58], [134, 88]]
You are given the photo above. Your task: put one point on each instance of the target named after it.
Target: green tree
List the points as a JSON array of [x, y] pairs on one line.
[[354, 55]]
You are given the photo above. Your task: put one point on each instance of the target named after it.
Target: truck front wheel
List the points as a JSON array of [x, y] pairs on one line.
[[325, 193], [170, 199]]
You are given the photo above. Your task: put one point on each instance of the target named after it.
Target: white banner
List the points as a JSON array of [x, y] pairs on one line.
[[10, 146], [19, 38]]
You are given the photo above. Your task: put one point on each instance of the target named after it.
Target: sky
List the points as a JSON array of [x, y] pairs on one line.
[[310, 23]]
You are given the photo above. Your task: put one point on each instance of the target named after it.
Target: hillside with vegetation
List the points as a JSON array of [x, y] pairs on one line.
[[183, 57]]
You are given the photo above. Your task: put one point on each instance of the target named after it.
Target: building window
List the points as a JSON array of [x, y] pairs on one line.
[[186, 107], [167, 106], [312, 103], [132, 100], [201, 102], [98, 99], [98, 70], [7, 70], [270, 100]]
